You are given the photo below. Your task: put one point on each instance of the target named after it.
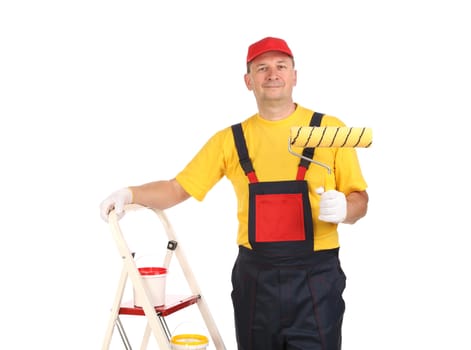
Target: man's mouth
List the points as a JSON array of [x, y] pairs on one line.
[[273, 85]]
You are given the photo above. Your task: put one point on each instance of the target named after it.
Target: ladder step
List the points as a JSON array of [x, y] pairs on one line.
[[174, 303]]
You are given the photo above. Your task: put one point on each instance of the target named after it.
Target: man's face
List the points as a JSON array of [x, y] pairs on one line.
[[272, 77]]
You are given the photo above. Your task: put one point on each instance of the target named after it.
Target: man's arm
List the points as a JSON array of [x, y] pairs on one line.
[[159, 194], [357, 206]]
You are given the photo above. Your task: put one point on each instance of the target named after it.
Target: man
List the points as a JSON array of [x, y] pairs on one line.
[[287, 280]]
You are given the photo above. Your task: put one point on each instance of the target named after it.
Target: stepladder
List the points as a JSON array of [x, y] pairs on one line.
[[155, 317]]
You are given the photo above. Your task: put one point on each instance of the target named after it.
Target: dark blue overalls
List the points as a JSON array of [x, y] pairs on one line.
[[285, 295]]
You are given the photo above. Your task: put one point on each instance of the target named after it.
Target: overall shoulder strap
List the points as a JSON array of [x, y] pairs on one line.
[[308, 152], [243, 153]]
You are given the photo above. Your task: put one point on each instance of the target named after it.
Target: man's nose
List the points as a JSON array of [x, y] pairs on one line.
[[272, 74]]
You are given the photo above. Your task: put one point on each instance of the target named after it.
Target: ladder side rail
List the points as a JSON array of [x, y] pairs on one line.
[[193, 284], [145, 338], [115, 309], [137, 281], [148, 330]]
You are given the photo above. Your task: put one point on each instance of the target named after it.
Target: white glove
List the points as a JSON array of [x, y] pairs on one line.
[[117, 200], [333, 206]]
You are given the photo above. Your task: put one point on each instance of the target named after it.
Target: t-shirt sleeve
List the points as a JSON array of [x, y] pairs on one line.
[[205, 169], [349, 177]]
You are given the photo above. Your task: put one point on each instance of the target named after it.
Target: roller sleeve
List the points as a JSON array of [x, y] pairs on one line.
[[330, 136]]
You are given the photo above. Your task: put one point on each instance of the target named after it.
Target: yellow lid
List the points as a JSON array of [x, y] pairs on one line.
[[189, 339]]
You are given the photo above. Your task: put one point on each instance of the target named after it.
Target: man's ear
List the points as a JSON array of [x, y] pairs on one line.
[[248, 82]]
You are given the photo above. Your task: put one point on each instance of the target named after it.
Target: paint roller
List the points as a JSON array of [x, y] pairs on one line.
[[328, 136]]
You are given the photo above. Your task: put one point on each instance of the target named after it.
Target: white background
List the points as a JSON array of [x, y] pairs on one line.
[[97, 95]]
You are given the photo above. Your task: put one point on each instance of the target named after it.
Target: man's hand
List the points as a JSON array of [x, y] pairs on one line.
[[117, 200], [332, 206]]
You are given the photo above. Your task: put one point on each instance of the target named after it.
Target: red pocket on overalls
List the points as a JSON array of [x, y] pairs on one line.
[[279, 217]]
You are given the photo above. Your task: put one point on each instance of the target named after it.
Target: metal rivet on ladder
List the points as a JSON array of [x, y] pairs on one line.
[[172, 245]]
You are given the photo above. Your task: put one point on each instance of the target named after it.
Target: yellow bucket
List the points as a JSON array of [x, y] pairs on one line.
[[189, 341]]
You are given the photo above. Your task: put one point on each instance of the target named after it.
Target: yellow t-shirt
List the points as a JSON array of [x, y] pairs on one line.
[[267, 143]]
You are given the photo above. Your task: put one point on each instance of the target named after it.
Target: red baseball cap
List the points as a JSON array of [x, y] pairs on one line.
[[265, 45]]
